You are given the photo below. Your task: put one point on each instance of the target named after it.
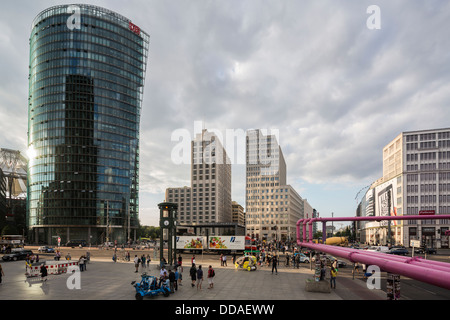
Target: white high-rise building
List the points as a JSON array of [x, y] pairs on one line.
[[208, 199], [272, 207]]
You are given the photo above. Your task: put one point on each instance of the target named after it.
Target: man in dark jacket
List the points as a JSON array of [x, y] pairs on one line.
[[43, 273], [193, 274], [172, 281]]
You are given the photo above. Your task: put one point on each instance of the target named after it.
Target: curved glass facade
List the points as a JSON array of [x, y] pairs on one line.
[[86, 82]]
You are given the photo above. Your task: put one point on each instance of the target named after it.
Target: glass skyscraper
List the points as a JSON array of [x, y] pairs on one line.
[[86, 81]]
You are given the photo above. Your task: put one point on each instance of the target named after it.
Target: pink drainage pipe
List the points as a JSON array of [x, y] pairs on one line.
[[432, 272], [426, 274]]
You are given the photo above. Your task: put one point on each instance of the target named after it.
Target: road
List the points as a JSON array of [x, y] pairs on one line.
[[410, 289]]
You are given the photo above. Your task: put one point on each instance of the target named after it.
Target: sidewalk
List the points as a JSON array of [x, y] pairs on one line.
[[106, 280]]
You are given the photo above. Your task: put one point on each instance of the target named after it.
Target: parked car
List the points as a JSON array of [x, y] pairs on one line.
[[76, 243], [427, 250], [382, 249], [330, 259], [399, 251], [46, 249], [303, 258], [17, 255]]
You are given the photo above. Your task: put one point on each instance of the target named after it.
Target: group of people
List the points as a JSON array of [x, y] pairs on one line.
[[142, 261], [173, 277], [197, 276], [333, 272]]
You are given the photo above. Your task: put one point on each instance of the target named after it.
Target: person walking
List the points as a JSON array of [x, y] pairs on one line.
[[177, 276], [172, 280], [2, 274], [136, 263], [180, 262], [211, 275], [333, 274], [81, 263], [43, 273], [199, 277], [225, 260], [355, 268], [143, 261], [193, 274], [180, 274], [274, 263]]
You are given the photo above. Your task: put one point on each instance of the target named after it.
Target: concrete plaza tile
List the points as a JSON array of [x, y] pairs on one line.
[[105, 280]]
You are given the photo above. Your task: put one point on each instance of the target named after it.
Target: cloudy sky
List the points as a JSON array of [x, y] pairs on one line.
[[336, 91]]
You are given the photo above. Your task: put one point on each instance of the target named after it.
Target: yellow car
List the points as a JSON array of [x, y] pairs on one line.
[[246, 263]]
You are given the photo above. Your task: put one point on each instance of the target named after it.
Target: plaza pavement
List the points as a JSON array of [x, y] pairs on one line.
[[106, 280]]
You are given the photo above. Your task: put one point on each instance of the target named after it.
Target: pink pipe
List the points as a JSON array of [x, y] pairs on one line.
[[414, 261], [305, 221], [426, 274], [310, 230]]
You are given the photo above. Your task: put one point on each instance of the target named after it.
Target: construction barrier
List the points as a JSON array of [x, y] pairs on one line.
[[56, 267]]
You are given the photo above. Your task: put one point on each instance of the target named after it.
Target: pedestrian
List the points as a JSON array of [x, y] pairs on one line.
[[274, 264], [177, 277], [114, 257], [162, 271], [199, 277], [136, 263], [1, 273], [297, 260], [180, 274], [172, 280], [333, 274], [355, 268], [193, 259], [322, 271], [221, 259], [193, 274], [225, 260], [143, 261], [211, 275], [180, 262], [43, 273], [81, 263], [148, 260]]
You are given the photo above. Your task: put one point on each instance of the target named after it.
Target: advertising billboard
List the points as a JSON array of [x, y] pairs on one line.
[[226, 243], [191, 242]]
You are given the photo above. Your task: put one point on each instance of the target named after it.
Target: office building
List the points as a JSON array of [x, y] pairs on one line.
[[208, 200], [272, 207], [416, 180], [86, 81], [238, 214]]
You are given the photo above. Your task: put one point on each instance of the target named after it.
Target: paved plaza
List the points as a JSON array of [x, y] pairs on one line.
[[106, 280]]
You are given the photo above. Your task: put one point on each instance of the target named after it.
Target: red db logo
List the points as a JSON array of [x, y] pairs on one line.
[[134, 28]]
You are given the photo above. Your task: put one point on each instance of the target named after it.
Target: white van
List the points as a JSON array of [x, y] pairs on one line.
[[382, 249]]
